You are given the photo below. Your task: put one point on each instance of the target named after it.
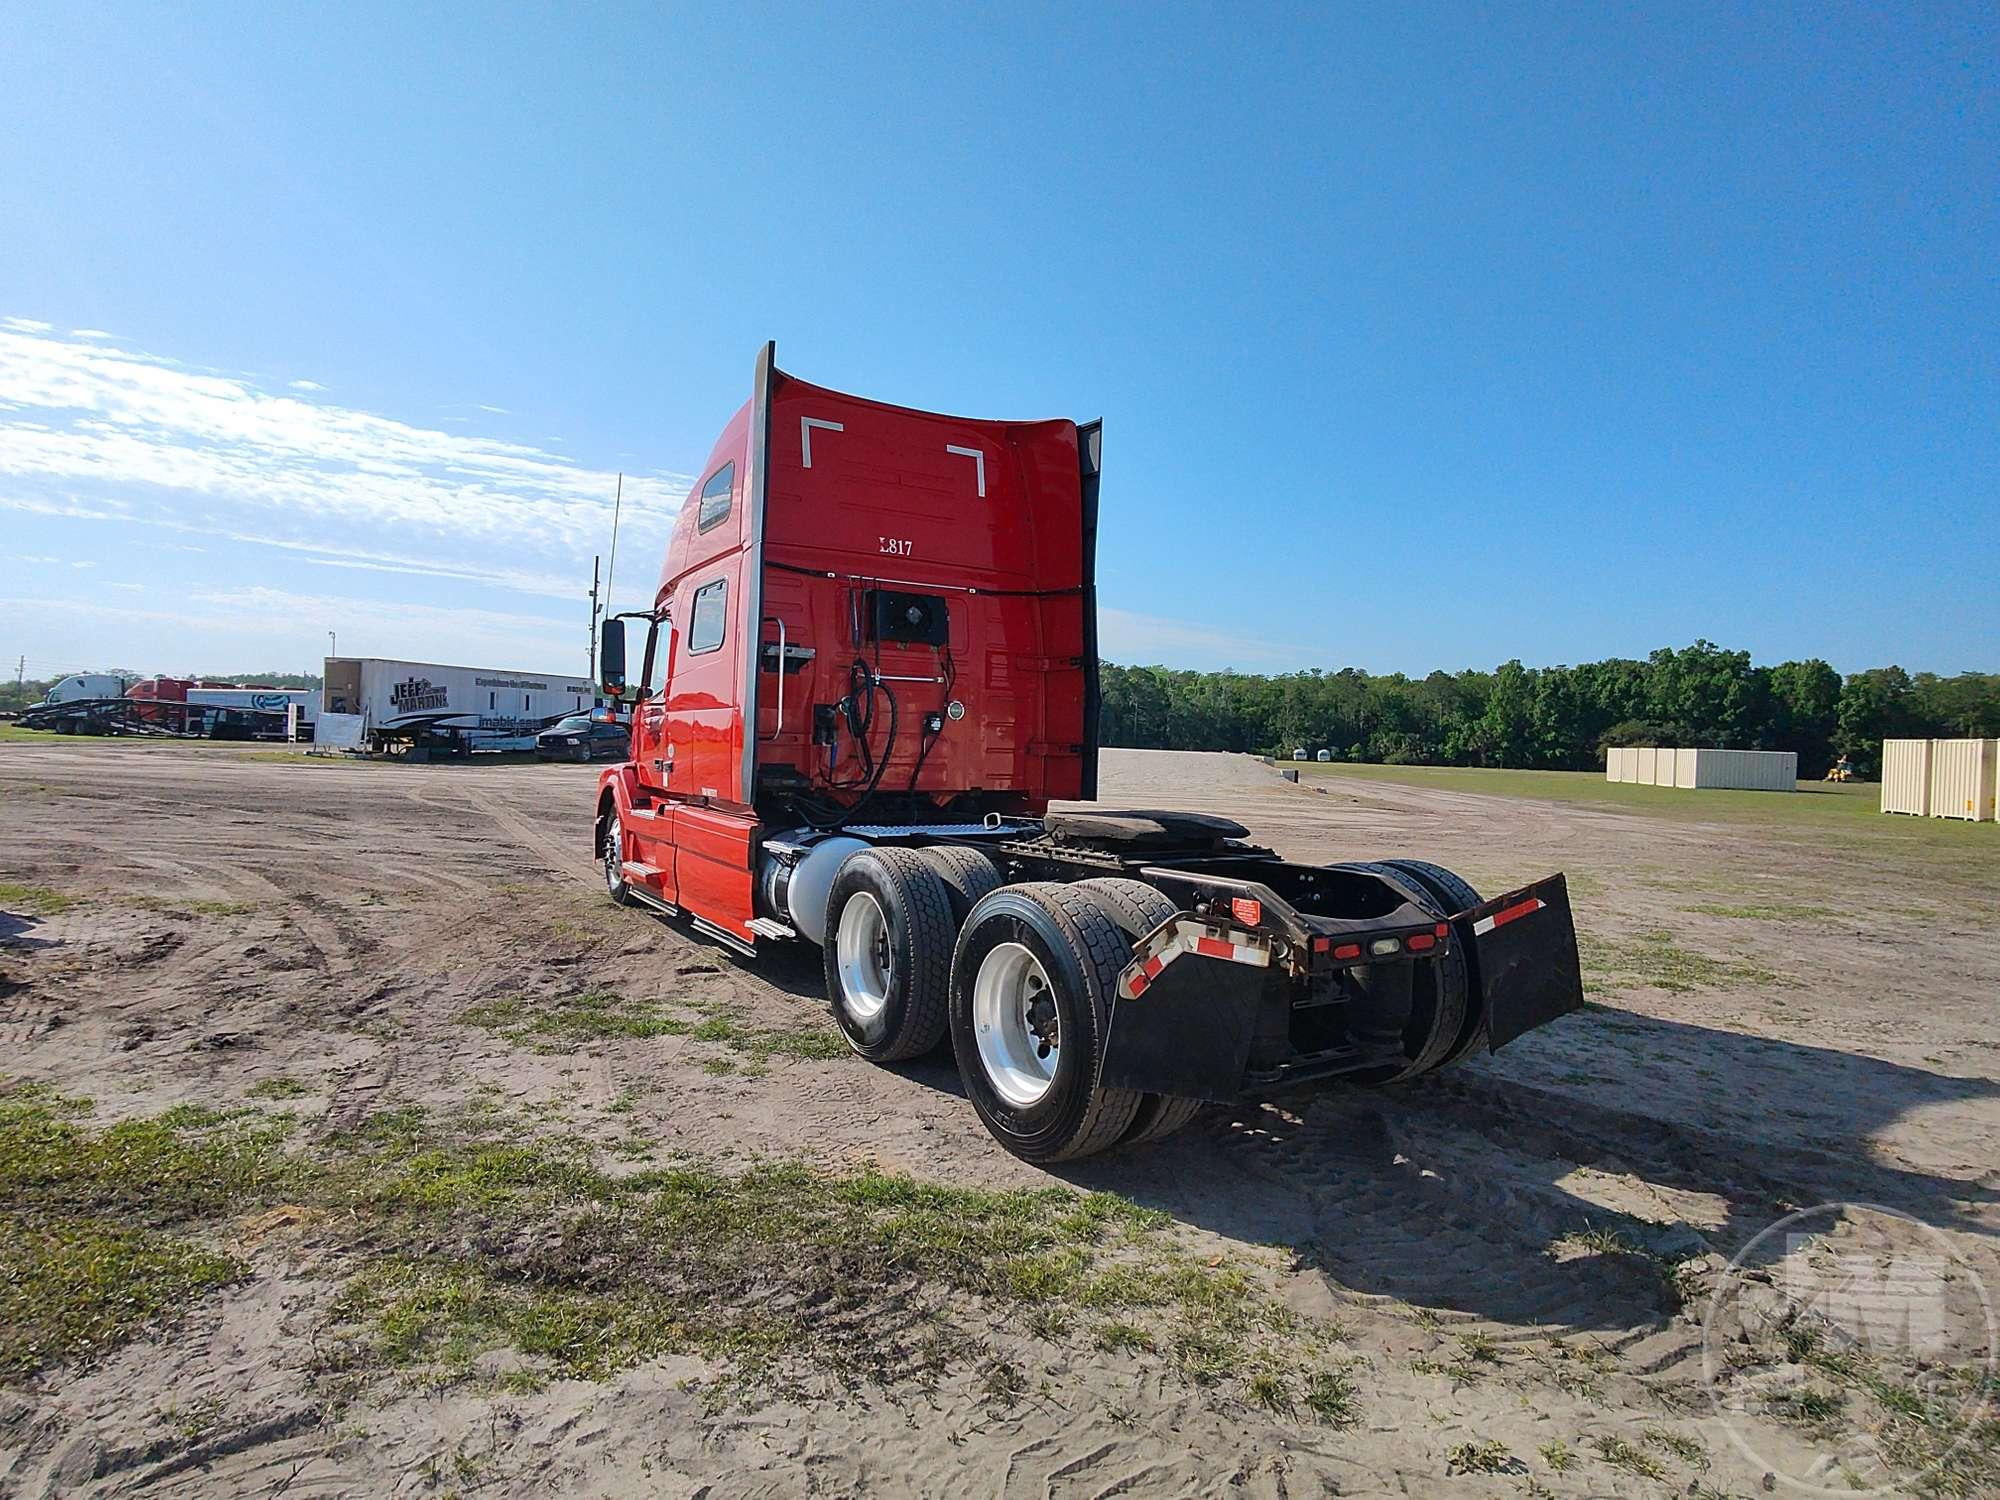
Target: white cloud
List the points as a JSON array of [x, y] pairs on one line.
[[1125, 636], [498, 411], [91, 333], [306, 385], [279, 626], [95, 432]]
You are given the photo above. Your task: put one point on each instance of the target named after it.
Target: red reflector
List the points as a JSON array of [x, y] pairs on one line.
[[1214, 947], [1321, 944], [1246, 909], [1444, 929], [1348, 950], [1420, 942]]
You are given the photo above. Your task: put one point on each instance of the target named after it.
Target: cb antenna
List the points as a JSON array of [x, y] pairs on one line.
[[617, 504]]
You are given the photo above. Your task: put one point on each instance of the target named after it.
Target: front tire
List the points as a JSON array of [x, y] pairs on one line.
[[1032, 984], [614, 862], [887, 953]]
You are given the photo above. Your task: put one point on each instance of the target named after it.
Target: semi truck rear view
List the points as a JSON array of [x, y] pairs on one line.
[[869, 668]]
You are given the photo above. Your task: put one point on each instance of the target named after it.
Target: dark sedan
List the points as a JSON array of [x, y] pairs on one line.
[[581, 738]]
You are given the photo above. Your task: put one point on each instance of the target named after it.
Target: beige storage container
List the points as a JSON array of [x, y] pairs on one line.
[[1628, 764], [1962, 779], [1748, 770], [1614, 758], [1643, 763], [1663, 766], [1906, 777]]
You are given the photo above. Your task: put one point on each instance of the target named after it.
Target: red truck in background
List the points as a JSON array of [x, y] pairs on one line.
[[868, 670]]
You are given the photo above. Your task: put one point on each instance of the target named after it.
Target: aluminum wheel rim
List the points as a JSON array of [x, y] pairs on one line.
[[614, 856], [861, 953], [1018, 1063]]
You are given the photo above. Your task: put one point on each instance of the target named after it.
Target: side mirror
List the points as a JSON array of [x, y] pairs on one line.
[[611, 658]]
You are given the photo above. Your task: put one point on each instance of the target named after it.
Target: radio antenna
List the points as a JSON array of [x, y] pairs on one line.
[[617, 504]]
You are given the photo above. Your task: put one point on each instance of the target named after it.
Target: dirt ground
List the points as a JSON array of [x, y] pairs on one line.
[[1511, 1260]]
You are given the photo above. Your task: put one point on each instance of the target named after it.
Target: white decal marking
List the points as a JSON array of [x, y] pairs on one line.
[[978, 459], [806, 426]]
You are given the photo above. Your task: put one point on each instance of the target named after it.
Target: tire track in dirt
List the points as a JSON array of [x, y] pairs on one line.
[[1397, 1222], [358, 1094]]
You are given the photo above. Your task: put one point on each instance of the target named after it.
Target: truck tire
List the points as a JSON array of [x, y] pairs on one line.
[[968, 874], [614, 861], [1440, 1010], [887, 953], [1457, 895], [1138, 909], [1032, 981]]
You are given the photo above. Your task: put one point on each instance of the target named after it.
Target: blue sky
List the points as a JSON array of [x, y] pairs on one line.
[[1424, 336]]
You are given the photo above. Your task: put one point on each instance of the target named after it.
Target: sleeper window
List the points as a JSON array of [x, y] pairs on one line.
[[705, 624], [715, 499]]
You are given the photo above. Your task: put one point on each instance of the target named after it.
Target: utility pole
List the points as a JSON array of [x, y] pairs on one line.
[[590, 645], [332, 643], [20, 682]]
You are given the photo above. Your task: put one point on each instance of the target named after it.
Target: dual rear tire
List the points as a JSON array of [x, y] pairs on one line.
[[1025, 993]]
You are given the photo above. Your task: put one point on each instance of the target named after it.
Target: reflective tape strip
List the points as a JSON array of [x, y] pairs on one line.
[[1508, 914], [1170, 943]]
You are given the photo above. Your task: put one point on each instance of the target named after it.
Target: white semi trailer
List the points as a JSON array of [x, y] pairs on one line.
[[482, 708]]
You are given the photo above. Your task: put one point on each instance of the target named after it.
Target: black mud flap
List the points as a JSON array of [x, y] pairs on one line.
[[1529, 972], [1190, 1033]]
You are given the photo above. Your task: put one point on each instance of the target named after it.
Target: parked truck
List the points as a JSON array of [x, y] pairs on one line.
[[870, 669]]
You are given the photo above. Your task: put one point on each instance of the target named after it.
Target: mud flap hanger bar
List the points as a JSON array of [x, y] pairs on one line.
[[1252, 904]]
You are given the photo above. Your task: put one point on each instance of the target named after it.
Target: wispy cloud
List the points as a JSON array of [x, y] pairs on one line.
[[98, 432], [305, 385], [1126, 636], [215, 628]]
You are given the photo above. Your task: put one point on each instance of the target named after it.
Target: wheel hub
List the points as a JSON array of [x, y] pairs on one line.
[[861, 953], [1016, 1025]]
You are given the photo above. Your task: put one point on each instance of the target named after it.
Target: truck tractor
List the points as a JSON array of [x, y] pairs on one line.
[[869, 671]]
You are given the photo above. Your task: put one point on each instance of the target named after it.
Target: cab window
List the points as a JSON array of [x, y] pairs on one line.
[[715, 497], [705, 622]]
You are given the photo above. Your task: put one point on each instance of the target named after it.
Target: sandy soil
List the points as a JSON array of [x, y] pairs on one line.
[[245, 919]]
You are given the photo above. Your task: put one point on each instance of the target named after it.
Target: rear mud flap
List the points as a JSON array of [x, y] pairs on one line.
[[1190, 1033], [1525, 946]]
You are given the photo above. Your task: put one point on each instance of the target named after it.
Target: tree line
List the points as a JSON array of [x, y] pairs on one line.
[[1553, 718]]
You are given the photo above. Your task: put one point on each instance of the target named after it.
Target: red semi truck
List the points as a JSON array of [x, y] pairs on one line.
[[868, 671]]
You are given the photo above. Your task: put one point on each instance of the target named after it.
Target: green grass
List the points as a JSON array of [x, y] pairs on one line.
[[36, 899], [457, 1241], [1845, 817], [566, 1022], [1773, 911], [1480, 1458], [1655, 958], [1634, 1460], [78, 1286], [280, 1087], [192, 907], [1831, 803]]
